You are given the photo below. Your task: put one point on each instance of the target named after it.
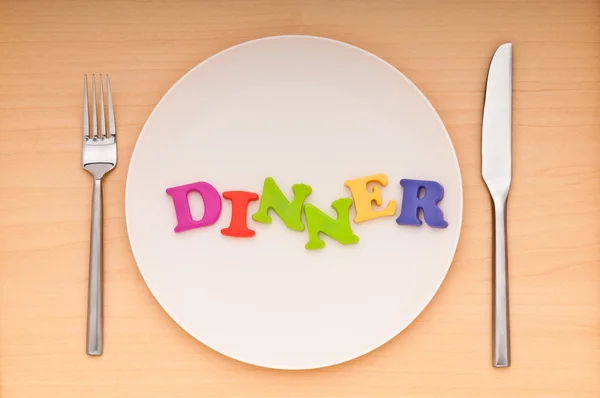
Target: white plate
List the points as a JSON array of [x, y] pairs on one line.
[[299, 109]]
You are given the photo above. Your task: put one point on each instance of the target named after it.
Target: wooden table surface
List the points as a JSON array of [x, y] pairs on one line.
[[445, 48]]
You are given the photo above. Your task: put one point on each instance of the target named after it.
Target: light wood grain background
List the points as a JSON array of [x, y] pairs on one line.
[[445, 48]]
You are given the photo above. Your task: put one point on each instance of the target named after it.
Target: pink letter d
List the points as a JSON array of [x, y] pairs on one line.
[[212, 205]]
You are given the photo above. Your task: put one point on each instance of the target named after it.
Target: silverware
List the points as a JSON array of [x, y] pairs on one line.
[[496, 171], [99, 156]]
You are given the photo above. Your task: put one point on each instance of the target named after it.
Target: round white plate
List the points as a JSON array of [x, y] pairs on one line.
[[306, 110]]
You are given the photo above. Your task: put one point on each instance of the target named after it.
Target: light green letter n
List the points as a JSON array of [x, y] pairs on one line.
[[289, 212], [319, 222]]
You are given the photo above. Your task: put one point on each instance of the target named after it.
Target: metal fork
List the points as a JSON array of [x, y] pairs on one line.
[[99, 156]]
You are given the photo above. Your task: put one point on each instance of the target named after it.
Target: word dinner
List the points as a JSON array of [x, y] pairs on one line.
[[417, 195]]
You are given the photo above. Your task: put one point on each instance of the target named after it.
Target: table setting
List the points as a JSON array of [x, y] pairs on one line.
[[324, 211]]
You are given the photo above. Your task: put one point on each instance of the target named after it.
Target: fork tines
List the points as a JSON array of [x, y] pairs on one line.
[[111, 133]]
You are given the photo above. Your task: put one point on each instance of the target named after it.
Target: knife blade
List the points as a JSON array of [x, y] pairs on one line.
[[496, 169]]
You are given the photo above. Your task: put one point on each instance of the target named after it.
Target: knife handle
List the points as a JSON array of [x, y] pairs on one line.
[[500, 277]]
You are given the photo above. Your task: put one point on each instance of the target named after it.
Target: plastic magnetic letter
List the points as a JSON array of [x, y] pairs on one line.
[[411, 203], [363, 198], [212, 205], [319, 222], [239, 211], [289, 212]]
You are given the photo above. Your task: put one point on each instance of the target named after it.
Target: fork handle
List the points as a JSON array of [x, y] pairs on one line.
[[500, 301], [94, 315]]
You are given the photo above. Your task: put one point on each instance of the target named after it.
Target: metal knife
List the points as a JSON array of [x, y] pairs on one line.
[[496, 169]]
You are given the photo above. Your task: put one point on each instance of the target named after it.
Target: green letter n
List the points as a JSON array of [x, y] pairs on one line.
[[289, 212], [319, 222]]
